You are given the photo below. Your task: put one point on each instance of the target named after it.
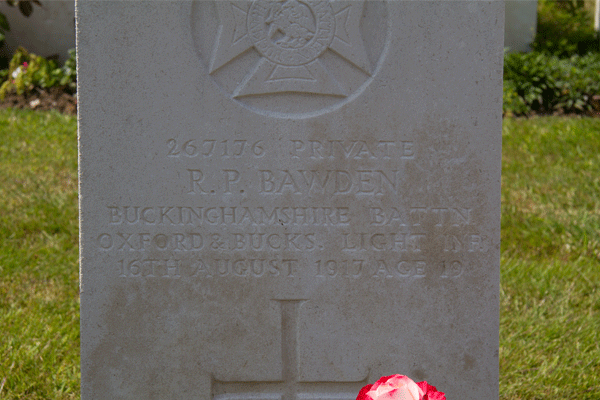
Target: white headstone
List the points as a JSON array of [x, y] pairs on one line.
[[520, 24], [286, 200], [48, 31]]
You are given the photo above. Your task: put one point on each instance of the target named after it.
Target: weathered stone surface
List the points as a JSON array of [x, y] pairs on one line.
[[288, 200]]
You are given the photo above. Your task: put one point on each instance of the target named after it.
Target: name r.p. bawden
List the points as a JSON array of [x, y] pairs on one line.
[[301, 182]]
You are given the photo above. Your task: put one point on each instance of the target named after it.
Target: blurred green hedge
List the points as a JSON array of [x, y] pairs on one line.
[[562, 74], [543, 83]]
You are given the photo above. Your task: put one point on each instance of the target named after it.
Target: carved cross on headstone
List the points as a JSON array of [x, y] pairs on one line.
[[290, 60], [289, 387]]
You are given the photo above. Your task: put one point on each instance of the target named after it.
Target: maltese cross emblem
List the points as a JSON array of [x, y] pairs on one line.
[[290, 37]]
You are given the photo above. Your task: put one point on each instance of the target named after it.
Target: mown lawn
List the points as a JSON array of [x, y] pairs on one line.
[[39, 300], [550, 294]]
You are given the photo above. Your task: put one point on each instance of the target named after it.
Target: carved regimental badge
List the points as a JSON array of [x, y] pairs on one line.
[[291, 56]]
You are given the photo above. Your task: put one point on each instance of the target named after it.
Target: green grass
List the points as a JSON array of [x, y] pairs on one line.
[[39, 301], [550, 299]]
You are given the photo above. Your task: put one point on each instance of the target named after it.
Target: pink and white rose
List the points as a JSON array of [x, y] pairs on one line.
[[399, 387]]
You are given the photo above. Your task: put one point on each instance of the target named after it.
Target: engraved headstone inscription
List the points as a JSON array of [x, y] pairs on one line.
[[287, 199]]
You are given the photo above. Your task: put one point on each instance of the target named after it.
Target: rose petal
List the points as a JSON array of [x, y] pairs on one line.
[[431, 392], [395, 387], [436, 396], [383, 380], [362, 395], [402, 393]]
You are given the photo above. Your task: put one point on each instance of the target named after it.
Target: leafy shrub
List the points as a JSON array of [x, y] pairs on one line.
[[512, 103], [69, 78], [565, 28], [538, 82], [27, 72]]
